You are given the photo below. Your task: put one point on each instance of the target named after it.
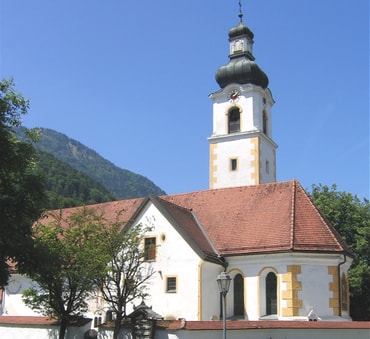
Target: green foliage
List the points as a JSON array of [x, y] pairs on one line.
[[351, 218], [127, 272], [122, 183], [21, 189], [66, 260], [67, 187]]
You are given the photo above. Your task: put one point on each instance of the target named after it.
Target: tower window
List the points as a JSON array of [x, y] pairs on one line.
[[233, 164], [267, 167], [264, 126], [234, 120]]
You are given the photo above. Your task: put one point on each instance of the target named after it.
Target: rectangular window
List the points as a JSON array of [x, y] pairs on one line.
[[267, 167], [233, 164], [150, 248], [171, 285]]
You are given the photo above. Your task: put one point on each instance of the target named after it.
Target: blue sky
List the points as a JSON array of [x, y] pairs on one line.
[[131, 79]]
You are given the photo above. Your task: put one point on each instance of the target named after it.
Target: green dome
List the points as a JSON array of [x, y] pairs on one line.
[[240, 30], [241, 71]]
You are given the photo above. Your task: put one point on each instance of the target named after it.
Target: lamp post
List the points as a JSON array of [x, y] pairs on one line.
[[223, 282]]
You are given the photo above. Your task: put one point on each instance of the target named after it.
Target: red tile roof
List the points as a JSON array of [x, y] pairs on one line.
[[267, 218], [261, 324], [258, 219], [38, 321], [27, 320]]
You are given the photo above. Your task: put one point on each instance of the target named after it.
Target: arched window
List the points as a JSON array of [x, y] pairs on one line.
[[238, 295], [234, 120], [271, 294], [264, 122]]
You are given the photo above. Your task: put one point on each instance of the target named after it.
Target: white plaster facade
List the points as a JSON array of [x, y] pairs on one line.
[[12, 303], [175, 258], [251, 146], [197, 297]]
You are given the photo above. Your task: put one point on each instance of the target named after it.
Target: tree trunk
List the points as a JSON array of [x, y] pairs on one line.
[[117, 325], [63, 328]]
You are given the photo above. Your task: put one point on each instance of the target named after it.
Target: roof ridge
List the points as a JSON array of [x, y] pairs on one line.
[[257, 186], [292, 217], [165, 206], [204, 232]]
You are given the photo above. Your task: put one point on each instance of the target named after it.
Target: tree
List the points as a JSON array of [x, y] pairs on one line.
[[128, 273], [67, 258], [351, 218], [21, 187]]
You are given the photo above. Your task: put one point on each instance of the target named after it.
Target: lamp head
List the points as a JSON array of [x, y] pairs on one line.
[[223, 282]]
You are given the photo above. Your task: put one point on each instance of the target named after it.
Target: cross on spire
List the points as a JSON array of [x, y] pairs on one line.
[[240, 11]]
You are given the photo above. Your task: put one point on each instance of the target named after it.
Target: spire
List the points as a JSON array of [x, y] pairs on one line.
[[240, 12], [241, 68]]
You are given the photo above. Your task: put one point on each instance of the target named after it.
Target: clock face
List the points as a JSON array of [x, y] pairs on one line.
[[234, 95]]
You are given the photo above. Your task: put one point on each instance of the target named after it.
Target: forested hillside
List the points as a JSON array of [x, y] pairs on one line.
[[67, 187], [122, 183]]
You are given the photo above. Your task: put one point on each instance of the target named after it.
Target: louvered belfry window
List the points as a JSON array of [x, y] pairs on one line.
[[234, 120]]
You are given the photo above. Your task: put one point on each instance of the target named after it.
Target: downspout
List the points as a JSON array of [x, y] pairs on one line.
[[340, 285]]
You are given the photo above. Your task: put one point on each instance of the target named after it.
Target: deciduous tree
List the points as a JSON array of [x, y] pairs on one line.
[[128, 273], [21, 187], [68, 256], [351, 218]]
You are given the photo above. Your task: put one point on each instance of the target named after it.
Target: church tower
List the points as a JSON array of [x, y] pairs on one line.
[[242, 151]]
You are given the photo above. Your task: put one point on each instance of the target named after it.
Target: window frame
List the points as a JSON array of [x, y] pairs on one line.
[[150, 249], [168, 285], [233, 120], [233, 164]]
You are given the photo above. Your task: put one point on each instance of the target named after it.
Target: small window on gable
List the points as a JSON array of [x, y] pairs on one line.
[[234, 120], [233, 164], [171, 285], [149, 248]]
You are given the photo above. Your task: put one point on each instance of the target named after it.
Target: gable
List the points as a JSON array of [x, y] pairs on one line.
[[185, 224]]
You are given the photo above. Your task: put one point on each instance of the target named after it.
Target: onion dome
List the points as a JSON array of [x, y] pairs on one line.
[[241, 68], [239, 30]]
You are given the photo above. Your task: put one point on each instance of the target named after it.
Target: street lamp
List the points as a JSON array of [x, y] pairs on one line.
[[223, 282]]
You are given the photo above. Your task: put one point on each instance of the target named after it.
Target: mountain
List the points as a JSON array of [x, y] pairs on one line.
[[123, 183], [67, 187]]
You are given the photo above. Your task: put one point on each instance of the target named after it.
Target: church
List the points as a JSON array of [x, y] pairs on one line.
[[285, 261]]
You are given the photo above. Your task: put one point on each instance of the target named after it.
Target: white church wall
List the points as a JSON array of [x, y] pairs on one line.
[[224, 152], [175, 258], [16, 331], [13, 303], [268, 164], [313, 278], [210, 302]]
